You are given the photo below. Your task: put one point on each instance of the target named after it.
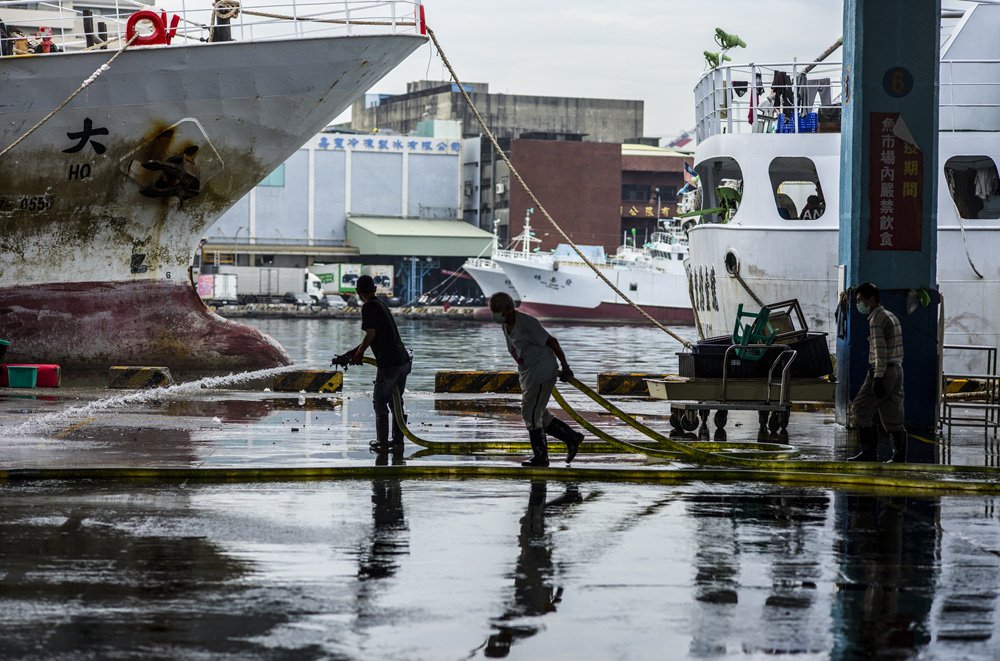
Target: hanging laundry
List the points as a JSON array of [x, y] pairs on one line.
[[739, 87], [986, 182]]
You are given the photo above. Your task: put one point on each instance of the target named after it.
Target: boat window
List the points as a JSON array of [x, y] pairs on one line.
[[721, 184], [974, 186], [798, 194]]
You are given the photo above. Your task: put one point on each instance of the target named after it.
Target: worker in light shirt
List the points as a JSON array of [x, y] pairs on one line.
[[536, 353], [882, 391]]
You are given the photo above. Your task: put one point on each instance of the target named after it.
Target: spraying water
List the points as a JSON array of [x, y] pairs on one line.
[[49, 420]]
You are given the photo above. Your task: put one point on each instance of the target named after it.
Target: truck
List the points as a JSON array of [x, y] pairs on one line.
[[268, 284], [217, 288], [329, 277], [382, 274]]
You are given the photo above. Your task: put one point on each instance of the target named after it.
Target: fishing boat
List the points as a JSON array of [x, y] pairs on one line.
[[769, 167], [103, 203], [487, 272], [560, 286]]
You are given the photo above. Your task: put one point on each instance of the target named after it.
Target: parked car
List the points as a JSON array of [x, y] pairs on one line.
[[332, 302], [299, 298]]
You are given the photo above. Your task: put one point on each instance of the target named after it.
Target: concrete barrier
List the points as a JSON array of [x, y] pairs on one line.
[[132, 377], [624, 383], [476, 382], [309, 381]]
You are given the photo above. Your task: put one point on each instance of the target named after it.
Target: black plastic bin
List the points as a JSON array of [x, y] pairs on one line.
[[812, 359]]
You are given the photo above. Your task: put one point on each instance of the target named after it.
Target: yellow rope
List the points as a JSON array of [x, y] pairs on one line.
[[538, 205]]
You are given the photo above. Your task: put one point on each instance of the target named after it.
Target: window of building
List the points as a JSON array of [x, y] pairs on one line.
[[798, 194], [276, 178], [635, 192], [721, 181], [974, 186]]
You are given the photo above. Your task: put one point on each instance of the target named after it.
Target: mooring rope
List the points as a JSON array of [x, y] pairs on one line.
[[535, 201], [104, 67]]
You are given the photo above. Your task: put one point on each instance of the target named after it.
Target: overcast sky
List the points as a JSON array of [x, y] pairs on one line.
[[631, 49]]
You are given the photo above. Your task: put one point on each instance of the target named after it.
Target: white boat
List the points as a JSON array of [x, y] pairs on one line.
[[487, 272], [763, 244], [559, 285], [102, 207]]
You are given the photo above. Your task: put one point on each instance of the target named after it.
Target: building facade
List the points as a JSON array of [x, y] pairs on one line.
[[508, 115]]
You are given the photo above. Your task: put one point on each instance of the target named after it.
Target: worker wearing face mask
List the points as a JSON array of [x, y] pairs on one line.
[[882, 391], [536, 353]]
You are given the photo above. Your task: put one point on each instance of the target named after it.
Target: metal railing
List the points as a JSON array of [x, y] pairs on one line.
[[255, 21], [784, 97], [805, 97]]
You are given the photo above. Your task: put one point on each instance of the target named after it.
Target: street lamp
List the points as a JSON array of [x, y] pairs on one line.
[[235, 260]]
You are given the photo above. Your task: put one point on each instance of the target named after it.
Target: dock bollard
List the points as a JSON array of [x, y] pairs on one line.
[[121, 376], [476, 382], [309, 381]]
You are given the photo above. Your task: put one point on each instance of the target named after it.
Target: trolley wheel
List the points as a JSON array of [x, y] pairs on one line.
[[721, 417], [689, 420], [675, 421]]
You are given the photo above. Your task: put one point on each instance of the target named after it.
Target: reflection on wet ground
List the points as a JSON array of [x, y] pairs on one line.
[[535, 569], [431, 569]]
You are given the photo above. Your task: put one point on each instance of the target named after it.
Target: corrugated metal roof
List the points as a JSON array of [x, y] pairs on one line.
[[373, 235]]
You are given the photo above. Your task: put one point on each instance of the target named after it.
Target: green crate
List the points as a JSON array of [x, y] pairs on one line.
[[4, 345], [22, 377]]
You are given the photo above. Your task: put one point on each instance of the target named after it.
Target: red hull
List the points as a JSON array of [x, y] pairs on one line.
[[608, 313], [93, 325]]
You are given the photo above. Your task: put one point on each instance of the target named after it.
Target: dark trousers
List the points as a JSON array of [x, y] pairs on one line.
[[889, 408], [388, 379]]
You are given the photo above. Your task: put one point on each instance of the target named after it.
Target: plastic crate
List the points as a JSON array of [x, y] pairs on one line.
[[4, 345], [21, 377], [49, 375], [812, 360]]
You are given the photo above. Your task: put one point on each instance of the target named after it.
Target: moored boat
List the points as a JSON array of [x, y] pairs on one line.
[[773, 234], [102, 207]]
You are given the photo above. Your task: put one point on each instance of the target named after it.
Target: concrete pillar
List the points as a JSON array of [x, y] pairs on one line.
[[888, 194]]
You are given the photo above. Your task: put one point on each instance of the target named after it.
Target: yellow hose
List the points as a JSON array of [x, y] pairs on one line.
[[890, 473], [610, 443]]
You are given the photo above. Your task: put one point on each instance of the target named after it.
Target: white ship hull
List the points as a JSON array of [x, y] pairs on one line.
[[780, 260], [83, 250], [557, 289], [490, 278]]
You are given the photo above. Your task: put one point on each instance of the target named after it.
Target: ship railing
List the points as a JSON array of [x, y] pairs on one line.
[[810, 102], [783, 97], [235, 20], [969, 95], [480, 262]]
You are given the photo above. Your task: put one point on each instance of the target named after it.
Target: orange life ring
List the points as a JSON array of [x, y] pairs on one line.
[[160, 35]]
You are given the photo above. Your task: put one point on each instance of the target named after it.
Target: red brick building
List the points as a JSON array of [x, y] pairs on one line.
[[594, 190]]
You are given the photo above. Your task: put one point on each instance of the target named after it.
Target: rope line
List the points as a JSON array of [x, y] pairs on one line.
[[104, 67], [535, 201]]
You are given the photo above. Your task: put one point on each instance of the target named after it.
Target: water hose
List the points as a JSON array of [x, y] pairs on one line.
[[610, 443]]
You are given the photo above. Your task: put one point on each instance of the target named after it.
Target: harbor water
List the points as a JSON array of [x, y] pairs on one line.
[[434, 568]]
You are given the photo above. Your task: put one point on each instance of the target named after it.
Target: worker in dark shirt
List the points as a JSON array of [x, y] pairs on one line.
[[394, 361]]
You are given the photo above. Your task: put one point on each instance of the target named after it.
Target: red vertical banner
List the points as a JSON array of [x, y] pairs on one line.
[[895, 195]]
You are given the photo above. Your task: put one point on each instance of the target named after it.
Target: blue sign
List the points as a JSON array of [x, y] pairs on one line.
[[897, 82]]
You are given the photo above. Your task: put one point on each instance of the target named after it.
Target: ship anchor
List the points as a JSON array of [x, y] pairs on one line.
[[179, 176]]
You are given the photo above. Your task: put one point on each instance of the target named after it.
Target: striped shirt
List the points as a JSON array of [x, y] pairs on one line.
[[885, 340]]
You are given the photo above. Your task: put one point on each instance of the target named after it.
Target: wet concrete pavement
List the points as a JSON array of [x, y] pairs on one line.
[[431, 569]]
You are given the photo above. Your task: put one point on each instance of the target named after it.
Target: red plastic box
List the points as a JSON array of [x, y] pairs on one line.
[[48, 375]]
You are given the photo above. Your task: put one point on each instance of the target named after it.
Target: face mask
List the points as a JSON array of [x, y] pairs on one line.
[[863, 309], [499, 317]]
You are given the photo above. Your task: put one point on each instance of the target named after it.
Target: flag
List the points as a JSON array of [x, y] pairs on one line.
[[690, 175]]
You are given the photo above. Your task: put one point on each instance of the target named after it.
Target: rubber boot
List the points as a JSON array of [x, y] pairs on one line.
[[868, 441], [539, 449], [567, 435], [898, 447], [381, 441]]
